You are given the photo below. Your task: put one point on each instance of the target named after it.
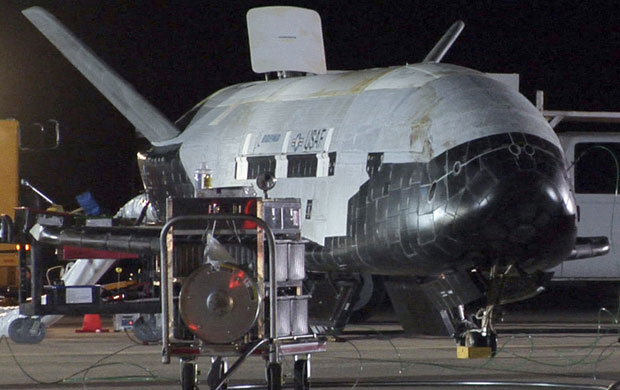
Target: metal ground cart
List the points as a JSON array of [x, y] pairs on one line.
[[222, 305]]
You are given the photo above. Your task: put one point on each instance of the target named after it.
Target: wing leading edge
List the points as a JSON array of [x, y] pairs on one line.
[[149, 121]]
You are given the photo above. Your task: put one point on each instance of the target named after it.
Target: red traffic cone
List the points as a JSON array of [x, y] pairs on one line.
[[91, 324]]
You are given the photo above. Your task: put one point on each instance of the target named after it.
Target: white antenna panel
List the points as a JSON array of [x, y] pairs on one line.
[[286, 39]]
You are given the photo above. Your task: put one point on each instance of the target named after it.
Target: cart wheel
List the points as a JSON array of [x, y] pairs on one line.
[[274, 376], [300, 378], [27, 330], [189, 375], [216, 374]]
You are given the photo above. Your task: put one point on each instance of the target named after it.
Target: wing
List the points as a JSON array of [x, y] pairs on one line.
[[146, 118]]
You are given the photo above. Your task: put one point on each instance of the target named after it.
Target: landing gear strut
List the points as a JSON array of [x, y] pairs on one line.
[[482, 335], [479, 331], [485, 335]]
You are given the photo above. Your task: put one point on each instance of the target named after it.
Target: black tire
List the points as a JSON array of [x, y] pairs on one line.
[[216, 374], [27, 330], [188, 376], [274, 376], [475, 339], [300, 375]]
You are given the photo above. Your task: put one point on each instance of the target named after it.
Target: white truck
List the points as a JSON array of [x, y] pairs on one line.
[[594, 158]]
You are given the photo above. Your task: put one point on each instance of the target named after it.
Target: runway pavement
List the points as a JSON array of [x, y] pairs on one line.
[[581, 348]]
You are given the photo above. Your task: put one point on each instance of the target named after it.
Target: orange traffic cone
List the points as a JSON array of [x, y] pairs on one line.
[[92, 323]]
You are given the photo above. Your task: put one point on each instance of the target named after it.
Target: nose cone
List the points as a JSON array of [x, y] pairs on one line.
[[531, 219], [518, 208]]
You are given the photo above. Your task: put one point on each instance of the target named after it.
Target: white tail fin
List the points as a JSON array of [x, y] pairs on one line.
[[146, 118], [445, 43]]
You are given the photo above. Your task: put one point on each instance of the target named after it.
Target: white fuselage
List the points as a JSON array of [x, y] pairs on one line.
[[410, 114]]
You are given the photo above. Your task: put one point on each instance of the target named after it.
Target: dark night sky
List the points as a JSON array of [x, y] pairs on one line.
[[175, 55]]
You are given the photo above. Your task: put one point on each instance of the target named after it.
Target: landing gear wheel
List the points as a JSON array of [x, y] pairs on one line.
[[476, 339], [274, 376], [189, 375], [217, 374], [300, 375]]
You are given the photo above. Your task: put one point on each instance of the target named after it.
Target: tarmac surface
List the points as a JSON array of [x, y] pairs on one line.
[[565, 348]]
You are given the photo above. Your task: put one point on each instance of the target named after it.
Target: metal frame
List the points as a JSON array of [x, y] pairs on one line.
[[166, 293], [37, 308], [556, 116]]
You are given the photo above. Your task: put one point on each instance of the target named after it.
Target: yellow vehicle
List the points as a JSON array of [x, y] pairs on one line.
[[9, 189]]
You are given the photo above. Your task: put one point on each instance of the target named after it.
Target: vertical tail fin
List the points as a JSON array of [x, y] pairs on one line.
[[443, 45]]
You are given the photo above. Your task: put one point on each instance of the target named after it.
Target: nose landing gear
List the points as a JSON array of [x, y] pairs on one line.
[[483, 336], [479, 339]]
